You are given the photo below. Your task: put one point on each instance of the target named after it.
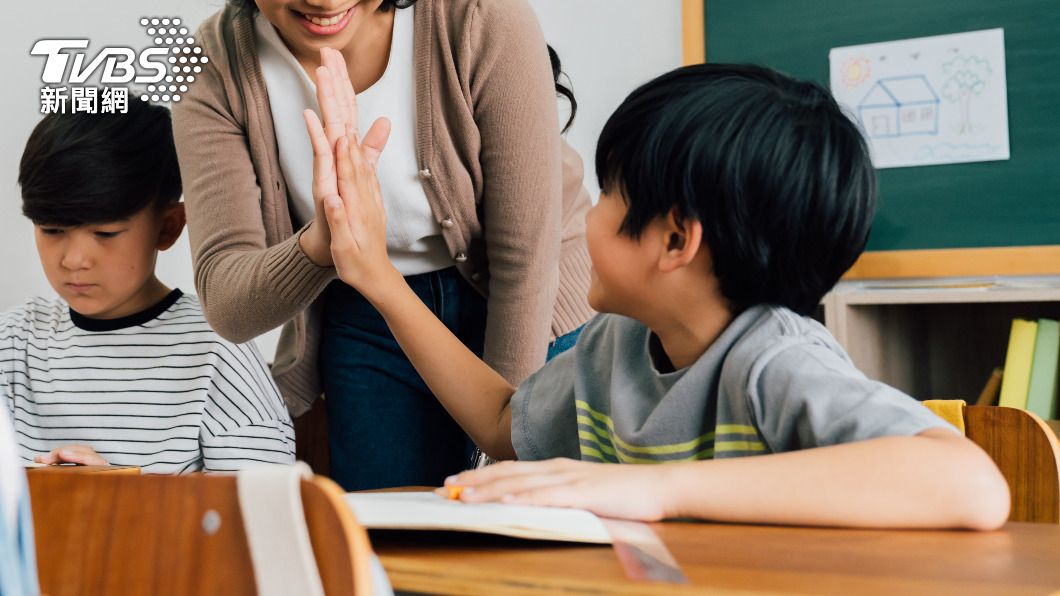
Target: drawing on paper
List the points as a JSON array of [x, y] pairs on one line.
[[926, 101], [900, 106], [968, 75], [856, 71]]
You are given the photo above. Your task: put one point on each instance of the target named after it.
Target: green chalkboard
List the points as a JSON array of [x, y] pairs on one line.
[[987, 204]]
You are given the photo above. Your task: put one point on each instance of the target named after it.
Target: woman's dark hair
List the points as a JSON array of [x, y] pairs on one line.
[[561, 89], [778, 176], [83, 168], [553, 57]]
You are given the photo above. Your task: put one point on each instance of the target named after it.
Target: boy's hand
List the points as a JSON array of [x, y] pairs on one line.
[[72, 454], [357, 221], [338, 107], [620, 491]]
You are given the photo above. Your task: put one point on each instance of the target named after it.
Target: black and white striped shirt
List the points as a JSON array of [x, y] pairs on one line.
[[159, 389]]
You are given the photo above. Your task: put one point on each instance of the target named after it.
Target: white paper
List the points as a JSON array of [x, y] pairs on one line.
[[926, 101], [427, 511]]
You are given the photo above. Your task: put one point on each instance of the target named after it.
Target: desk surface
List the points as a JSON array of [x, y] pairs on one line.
[[1022, 558], [57, 469]]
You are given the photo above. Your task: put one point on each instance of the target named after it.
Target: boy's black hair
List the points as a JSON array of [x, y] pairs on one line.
[[779, 177], [80, 168]]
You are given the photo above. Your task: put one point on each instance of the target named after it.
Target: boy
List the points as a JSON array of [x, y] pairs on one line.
[[733, 198], [121, 369]]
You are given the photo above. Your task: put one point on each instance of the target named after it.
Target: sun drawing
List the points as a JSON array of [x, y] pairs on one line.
[[856, 71]]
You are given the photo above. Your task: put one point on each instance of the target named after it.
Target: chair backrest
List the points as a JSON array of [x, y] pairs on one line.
[[1028, 455], [127, 534]]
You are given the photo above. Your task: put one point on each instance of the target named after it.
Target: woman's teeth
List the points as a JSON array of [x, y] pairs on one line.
[[325, 22]]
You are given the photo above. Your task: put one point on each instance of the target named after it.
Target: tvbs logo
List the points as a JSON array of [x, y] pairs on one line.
[[119, 64], [166, 68]]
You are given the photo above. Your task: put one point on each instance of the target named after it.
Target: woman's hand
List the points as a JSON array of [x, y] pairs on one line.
[[357, 222], [338, 106], [72, 454], [611, 490]]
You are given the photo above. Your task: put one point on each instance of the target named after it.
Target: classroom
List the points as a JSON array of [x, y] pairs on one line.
[[530, 297]]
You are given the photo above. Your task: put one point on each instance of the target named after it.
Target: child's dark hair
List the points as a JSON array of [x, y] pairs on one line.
[[779, 177], [83, 168]]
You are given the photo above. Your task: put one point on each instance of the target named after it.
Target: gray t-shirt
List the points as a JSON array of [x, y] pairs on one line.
[[773, 381]]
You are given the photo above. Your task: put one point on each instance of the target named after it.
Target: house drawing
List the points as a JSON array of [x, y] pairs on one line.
[[900, 106]]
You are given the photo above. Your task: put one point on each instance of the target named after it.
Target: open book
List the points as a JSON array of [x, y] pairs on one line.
[[427, 511]]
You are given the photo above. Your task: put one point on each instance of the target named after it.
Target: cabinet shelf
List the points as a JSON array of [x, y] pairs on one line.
[[939, 339]]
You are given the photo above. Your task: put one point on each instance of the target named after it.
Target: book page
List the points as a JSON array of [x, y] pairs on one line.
[[427, 511]]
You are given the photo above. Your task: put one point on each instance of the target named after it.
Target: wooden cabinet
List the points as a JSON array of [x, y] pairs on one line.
[[938, 339]]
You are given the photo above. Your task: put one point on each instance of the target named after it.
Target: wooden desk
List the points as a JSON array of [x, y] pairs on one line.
[[1022, 558], [84, 470]]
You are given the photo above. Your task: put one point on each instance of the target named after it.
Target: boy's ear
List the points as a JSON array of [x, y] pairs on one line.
[[173, 220], [682, 238]]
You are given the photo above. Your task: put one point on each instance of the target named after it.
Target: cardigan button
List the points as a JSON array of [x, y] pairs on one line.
[[460, 257], [425, 173], [447, 223], [476, 276]]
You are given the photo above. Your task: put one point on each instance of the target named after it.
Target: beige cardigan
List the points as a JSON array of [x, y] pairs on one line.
[[505, 188]]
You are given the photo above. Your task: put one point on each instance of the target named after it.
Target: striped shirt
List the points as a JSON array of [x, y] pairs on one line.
[[159, 389], [772, 381]]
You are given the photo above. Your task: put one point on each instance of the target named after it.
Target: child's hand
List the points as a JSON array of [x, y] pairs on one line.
[[357, 221], [338, 107], [72, 454], [610, 490]]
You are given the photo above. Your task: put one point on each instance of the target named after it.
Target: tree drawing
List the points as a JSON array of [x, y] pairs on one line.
[[967, 79]]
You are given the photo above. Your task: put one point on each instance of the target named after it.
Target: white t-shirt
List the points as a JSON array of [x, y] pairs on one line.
[[414, 236], [159, 390]]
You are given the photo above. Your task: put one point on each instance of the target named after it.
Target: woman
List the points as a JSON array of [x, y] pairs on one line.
[[485, 199]]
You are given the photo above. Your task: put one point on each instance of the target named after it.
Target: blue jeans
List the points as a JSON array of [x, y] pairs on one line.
[[563, 343], [385, 427]]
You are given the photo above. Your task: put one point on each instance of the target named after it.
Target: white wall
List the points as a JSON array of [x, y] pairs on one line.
[[102, 22], [608, 47]]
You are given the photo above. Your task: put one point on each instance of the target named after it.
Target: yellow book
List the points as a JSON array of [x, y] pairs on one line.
[[1017, 377]]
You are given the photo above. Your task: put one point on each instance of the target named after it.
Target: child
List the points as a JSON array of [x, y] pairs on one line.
[[121, 369], [733, 199]]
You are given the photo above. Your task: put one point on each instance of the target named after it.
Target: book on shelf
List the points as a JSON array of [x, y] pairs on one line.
[[992, 389], [1017, 375], [1041, 390]]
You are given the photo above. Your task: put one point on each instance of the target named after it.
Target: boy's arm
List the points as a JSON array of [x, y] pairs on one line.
[[74, 454], [936, 479], [475, 395], [244, 421]]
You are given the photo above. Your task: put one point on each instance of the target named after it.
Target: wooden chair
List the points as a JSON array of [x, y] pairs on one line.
[[311, 428], [1028, 455], [128, 534], [1026, 451]]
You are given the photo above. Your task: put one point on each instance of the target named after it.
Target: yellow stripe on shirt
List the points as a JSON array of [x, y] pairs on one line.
[[599, 430]]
